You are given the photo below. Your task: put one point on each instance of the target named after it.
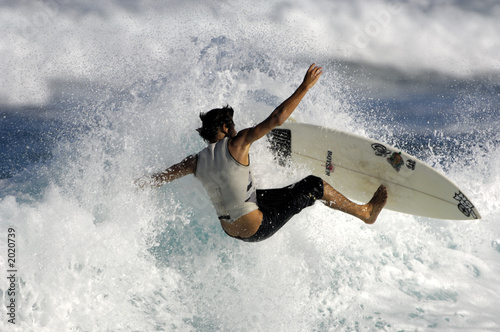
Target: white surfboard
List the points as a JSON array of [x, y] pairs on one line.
[[356, 166]]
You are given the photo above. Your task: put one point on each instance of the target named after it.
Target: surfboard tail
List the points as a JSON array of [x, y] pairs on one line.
[[280, 141]]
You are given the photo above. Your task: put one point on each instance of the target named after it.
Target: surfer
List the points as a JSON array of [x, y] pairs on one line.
[[223, 168]]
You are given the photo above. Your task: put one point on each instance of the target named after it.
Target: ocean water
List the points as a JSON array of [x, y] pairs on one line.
[[95, 94]]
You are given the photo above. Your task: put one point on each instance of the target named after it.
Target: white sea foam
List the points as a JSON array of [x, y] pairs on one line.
[[113, 43]]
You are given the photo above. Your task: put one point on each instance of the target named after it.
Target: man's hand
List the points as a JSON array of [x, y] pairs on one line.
[[312, 76]]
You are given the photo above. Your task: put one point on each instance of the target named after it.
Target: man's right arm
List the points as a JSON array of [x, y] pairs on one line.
[[185, 167], [283, 111]]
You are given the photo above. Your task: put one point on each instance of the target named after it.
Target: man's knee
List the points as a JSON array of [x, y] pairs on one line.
[[315, 186]]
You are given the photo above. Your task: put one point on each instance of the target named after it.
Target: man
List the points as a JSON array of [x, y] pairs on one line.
[[224, 170]]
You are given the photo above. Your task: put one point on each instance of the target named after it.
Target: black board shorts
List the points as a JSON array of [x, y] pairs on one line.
[[279, 205]]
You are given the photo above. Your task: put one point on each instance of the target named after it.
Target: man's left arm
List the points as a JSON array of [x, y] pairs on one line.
[[174, 172], [283, 111], [240, 144]]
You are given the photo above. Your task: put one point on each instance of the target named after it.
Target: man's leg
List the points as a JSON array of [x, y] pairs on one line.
[[367, 212]]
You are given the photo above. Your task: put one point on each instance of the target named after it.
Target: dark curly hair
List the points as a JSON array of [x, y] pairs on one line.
[[213, 120]]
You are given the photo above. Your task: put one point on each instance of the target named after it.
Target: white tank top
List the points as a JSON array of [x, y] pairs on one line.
[[228, 183]]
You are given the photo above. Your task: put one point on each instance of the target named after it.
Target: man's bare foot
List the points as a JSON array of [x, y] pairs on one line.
[[376, 204]]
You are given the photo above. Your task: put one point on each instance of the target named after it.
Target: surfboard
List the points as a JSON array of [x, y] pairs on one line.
[[356, 166]]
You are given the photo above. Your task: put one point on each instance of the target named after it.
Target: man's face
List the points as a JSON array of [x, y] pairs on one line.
[[232, 131]]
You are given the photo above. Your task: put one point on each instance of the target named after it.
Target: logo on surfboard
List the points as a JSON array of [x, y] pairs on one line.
[[380, 150], [464, 205], [329, 168], [395, 159]]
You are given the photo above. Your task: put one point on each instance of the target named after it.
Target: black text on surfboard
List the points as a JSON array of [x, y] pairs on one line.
[[464, 205], [329, 166]]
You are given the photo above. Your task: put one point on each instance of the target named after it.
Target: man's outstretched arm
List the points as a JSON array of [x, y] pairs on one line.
[[283, 111], [185, 167]]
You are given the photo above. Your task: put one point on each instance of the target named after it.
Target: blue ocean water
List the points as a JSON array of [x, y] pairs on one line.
[[95, 94]]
